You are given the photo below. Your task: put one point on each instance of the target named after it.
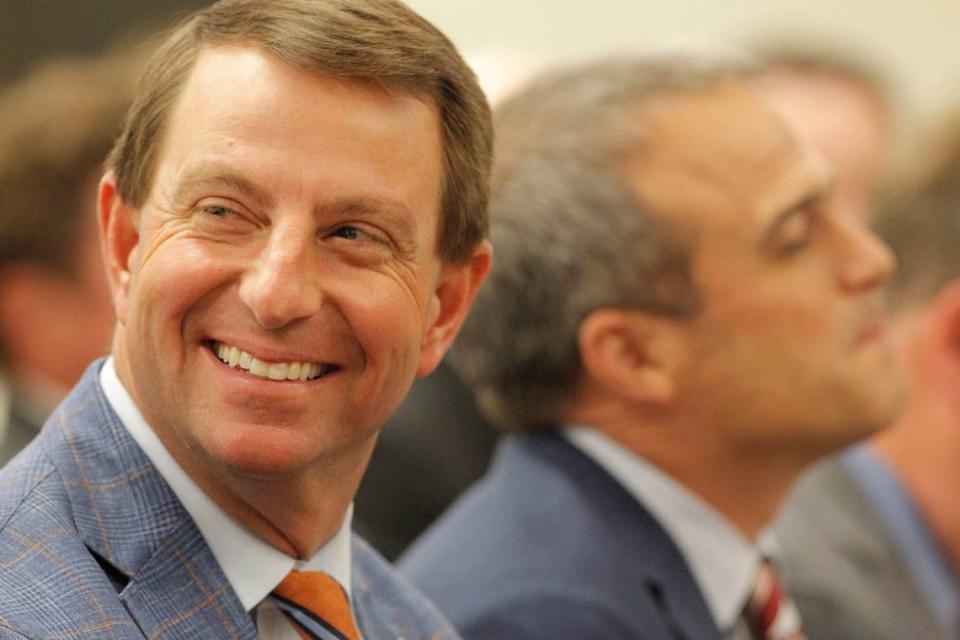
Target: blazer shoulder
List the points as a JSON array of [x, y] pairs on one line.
[[27, 481], [537, 611], [387, 605]]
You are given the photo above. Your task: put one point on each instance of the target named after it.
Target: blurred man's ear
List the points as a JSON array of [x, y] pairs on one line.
[[457, 287], [119, 236], [633, 354], [945, 328]]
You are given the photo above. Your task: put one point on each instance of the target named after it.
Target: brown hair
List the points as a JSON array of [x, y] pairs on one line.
[[57, 125], [380, 41]]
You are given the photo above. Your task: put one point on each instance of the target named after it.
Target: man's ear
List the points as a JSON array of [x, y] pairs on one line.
[[119, 236], [944, 314], [632, 354], [457, 287]]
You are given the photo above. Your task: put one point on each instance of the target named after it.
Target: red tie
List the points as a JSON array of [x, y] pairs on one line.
[[770, 613], [317, 605]]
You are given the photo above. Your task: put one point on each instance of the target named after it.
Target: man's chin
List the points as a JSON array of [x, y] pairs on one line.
[[261, 452]]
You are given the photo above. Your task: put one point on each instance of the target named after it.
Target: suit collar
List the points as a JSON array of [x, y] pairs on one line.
[[664, 573], [127, 515], [723, 561]]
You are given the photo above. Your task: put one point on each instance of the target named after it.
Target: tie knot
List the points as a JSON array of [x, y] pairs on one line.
[[770, 613], [317, 605]]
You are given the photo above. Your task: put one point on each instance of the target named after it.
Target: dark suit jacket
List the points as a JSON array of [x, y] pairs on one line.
[[94, 545], [548, 546], [842, 568]]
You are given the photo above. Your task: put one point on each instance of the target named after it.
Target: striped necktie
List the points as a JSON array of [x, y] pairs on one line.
[[317, 605], [770, 613]]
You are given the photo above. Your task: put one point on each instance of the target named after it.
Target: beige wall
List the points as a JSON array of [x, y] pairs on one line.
[[916, 42]]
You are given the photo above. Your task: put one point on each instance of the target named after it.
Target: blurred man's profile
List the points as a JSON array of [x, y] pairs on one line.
[[679, 321], [871, 540]]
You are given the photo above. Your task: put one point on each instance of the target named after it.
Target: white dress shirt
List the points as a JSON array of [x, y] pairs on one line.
[[253, 567], [723, 562]]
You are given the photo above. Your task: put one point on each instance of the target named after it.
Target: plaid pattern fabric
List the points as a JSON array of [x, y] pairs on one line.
[[94, 545]]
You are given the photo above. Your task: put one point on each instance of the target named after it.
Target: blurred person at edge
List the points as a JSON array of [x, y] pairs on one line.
[[677, 324], [57, 125], [294, 225], [844, 108], [871, 539]]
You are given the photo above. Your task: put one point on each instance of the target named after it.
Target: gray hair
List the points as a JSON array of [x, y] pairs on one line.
[[570, 236]]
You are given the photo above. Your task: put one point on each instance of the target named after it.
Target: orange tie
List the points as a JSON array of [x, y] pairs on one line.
[[317, 605]]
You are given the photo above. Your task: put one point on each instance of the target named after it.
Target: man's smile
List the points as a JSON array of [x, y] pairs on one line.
[[243, 360]]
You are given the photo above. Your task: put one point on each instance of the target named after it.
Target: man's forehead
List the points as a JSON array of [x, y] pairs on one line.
[[730, 144]]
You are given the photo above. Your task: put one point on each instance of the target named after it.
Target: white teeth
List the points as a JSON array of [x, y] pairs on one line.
[[259, 368], [234, 357]]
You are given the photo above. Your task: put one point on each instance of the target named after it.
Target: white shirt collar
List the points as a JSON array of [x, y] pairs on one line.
[[252, 566], [723, 562]]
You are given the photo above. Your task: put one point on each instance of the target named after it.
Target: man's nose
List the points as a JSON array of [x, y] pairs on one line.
[[868, 262], [281, 286]]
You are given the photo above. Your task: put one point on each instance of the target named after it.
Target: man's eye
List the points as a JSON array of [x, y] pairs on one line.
[[348, 233], [217, 210], [796, 234]]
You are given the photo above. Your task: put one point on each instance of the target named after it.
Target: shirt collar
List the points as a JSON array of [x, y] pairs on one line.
[[252, 566], [723, 562]]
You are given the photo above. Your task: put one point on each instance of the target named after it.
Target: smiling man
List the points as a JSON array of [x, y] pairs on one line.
[[678, 323], [293, 223]]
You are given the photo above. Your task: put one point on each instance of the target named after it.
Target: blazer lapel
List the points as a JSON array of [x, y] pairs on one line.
[[181, 592], [639, 539], [683, 607], [130, 519]]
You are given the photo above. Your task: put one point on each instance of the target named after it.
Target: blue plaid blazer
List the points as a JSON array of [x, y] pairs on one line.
[[95, 545]]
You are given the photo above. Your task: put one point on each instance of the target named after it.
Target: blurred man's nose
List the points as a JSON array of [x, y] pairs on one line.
[[867, 261]]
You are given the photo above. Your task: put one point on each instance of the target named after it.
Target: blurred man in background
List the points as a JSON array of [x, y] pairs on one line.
[[871, 541], [56, 126], [844, 109], [678, 322]]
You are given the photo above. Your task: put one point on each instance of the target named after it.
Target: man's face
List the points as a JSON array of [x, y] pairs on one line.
[[790, 344], [282, 274]]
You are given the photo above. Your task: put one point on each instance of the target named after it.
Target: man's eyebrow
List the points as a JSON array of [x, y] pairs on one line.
[[230, 181]]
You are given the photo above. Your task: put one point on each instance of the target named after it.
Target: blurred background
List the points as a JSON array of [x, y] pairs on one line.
[[913, 44]]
